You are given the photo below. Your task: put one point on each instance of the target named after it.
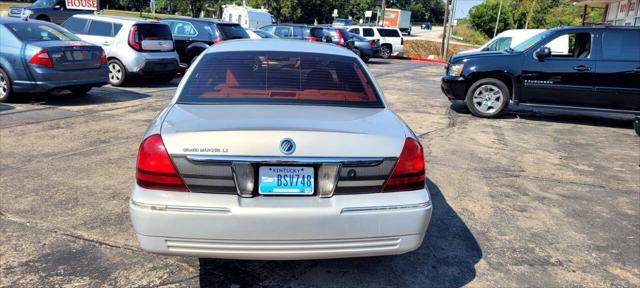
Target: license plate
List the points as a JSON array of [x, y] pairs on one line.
[[77, 55], [281, 180]]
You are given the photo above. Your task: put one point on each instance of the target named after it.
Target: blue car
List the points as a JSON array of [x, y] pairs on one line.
[[38, 56]]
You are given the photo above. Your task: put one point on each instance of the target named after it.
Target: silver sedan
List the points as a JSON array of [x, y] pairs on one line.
[[279, 150]]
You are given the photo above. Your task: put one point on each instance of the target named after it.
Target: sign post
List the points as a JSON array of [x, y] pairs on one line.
[[82, 4]]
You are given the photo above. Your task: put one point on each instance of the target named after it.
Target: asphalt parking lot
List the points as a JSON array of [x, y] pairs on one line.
[[537, 198]]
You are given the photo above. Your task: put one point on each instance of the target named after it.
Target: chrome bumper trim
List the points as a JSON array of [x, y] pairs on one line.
[[175, 208], [358, 183], [385, 208]]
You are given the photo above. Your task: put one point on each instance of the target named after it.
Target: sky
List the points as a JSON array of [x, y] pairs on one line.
[[463, 7]]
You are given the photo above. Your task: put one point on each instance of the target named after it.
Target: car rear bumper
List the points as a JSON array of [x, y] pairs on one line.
[[50, 79], [279, 228], [455, 88]]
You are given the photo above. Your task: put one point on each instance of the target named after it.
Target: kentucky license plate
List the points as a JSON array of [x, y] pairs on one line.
[[280, 180]]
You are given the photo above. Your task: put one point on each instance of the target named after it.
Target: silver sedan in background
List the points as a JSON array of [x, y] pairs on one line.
[[267, 152]]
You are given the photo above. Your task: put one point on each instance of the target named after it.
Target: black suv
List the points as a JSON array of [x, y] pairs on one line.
[[589, 68], [47, 10], [192, 36]]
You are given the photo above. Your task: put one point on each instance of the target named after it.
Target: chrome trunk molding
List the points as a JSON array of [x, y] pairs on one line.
[[345, 161]]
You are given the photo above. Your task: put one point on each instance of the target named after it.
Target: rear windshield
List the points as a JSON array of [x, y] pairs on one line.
[[280, 78], [40, 32], [231, 31], [154, 32], [389, 33]]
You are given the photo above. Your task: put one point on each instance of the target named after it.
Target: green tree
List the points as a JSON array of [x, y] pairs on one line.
[[567, 14], [528, 11], [483, 17]]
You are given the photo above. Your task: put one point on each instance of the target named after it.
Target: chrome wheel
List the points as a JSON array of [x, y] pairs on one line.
[[4, 86], [385, 52], [488, 98], [115, 73]]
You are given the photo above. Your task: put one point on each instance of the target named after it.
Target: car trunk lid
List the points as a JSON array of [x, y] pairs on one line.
[[70, 55], [205, 141], [254, 130]]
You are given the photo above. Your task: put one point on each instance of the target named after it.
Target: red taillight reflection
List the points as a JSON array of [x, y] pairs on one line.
[[372, 44], [133, 38], [312, 39], [340, 38], [103, 58], [217, 40], [155, 169], [41, 59], [408, 174]]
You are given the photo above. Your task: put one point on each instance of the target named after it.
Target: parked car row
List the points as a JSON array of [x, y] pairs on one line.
[[145, 49], [367, 42], [598, 70]]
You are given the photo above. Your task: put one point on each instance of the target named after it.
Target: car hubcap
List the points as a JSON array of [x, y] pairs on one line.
[[385, 52], [4, 87], [488, 98], [115, 73]]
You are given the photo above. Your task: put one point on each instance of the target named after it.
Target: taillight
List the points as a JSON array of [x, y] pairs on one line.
[[103, 58], [134, 41], [408, 174], [155, 169], [312, 39], [372, 44], [41, 59], [340, 38]]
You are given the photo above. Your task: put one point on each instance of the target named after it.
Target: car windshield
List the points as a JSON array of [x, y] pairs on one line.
[[232, 31], [532, 41], [40, 32], [358, 37], [293, 78], [43, 3], [264, 34]]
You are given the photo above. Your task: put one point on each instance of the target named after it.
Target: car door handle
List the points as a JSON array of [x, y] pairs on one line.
[[106, 43], [582, 68]]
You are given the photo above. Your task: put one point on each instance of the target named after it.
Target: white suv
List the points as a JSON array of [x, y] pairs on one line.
[[134, 47], [391, 41]]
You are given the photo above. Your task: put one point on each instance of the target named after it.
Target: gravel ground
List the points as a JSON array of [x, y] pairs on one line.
[[537, 198]]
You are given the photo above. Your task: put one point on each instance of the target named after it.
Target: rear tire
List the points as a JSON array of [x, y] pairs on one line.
[[117, 73], [488, 98], [636, 125], [80, 91], [385, 51], [166, 78], [6, 92], [357, 52]]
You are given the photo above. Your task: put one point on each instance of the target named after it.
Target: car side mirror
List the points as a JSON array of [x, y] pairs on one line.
[[542, 53]]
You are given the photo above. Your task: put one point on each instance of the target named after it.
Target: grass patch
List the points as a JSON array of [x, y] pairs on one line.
[[4, 6], [134, 14], [469, 35], [426, 48]]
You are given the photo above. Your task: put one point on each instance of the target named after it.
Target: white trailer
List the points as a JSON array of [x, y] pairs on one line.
[[397, 18], [247, 17]]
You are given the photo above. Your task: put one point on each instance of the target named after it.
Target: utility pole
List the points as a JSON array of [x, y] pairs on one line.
[[495, 31], [444, 27], [384, 5], [452, 15]]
